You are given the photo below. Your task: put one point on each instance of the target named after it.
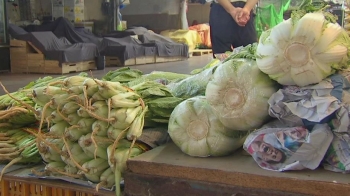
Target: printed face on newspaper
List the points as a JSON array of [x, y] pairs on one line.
[[289, 148], [271, 150]]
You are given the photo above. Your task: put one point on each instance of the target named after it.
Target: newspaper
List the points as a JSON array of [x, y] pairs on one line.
[[337, 158], [314, 104], [291, 148], [325, 102]]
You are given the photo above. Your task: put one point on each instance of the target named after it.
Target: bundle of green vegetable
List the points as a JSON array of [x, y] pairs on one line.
[[117, 161], [246, 52], [162, 77], [6, 101], [122, 75], [15, 107], [17, 115], [304, 49], [159, 100], [132, 77], [88, 121], [197, 131], [17, 145], [238, 93]]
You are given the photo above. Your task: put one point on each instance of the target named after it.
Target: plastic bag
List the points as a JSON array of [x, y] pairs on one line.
[[293, 148], [192, 86]]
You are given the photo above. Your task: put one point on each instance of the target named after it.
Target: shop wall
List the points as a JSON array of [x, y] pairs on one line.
[[136, 7], [148, 13], [198, 12], [155, 22], [146, 7], [93, 10], [43, 8], [152, 14]]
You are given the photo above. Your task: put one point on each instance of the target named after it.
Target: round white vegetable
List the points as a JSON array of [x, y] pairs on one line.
[[195, 129], [303, 51], [238, 93]]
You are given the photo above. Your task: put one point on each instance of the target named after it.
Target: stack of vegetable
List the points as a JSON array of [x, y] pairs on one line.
[[17, 122], [224, 102], [305, 53], [92, 127], [301, 51], [87, 128], [235, 102]]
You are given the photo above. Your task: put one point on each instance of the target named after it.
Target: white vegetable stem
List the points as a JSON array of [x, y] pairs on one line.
[[238, 93], [303, 51], [196, 130]]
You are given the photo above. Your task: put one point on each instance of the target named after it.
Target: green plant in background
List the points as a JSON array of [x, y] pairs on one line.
[[268, 16]]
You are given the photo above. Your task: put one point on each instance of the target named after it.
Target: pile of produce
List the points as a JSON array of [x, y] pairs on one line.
[[296, 73], [87, 128], [225, 106]]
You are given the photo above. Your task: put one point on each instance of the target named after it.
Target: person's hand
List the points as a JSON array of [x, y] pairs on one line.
[[235, 13], [240, 15], [243, 16]]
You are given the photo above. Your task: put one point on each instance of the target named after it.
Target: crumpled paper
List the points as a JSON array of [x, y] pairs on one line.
[[298, 106], [337, 158], [292, 148]]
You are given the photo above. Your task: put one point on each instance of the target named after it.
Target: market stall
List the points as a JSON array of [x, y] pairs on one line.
[[270, 118], [195, 30], [69, 22]]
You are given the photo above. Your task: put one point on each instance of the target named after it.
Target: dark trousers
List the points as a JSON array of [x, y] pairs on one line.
[[225, 32]]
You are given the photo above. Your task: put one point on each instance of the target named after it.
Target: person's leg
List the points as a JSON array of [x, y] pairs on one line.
[[221, 29], [246, 35]]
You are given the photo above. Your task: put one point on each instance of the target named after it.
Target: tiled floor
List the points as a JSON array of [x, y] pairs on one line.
[[14, 81]]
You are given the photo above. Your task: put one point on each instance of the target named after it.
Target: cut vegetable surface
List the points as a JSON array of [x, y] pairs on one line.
[[238, 94], [303, 50], [198, 132]]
